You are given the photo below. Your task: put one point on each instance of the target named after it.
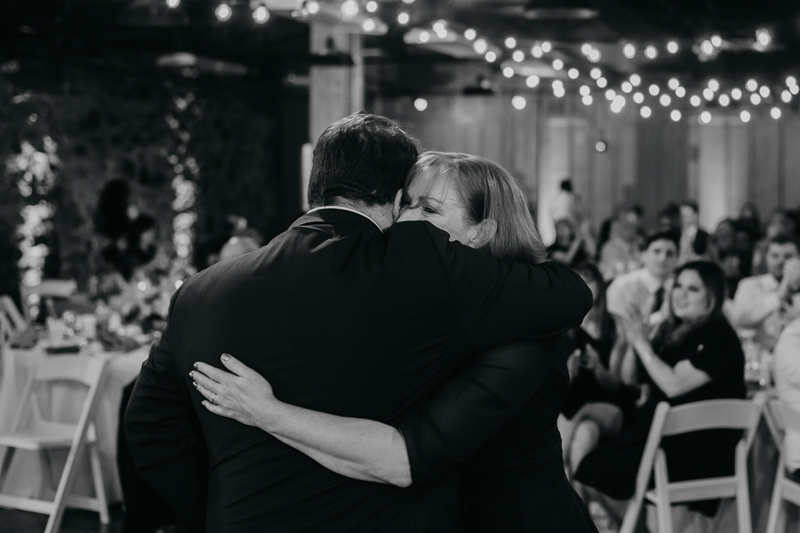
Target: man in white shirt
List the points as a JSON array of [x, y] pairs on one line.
[[620, 254], [787, 385], [768, 302], [694, 241], [643, 293]]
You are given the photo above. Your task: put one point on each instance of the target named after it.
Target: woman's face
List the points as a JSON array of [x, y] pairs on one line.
[[433, 197], [690, 298]]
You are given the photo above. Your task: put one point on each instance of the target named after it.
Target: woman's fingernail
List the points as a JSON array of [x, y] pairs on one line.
[[194, 383], [191, 374], [195, 365], [225, 357]]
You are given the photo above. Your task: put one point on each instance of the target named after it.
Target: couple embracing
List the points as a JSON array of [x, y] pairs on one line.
[[393, 362]]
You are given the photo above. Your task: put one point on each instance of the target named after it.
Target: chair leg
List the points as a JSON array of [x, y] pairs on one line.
[[7, 457], [742, 490], [663, 507], [64, 488], [99, 486], [777, 499]]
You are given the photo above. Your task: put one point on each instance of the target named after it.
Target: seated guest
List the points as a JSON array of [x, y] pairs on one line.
[[787, 385], [694, 241], [620, 254], [768, 302], [572, 247], [725, 249], [780, 223], [695, 355], [596, 403], [641, 293]]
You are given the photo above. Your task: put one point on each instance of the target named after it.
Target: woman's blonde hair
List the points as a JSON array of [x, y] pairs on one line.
[[487, 192]]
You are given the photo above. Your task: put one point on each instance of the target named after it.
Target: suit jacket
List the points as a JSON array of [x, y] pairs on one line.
[[341, 318]]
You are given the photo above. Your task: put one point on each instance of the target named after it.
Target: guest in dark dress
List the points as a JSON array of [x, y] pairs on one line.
[[495, 421], [597, 403], [695, 355]]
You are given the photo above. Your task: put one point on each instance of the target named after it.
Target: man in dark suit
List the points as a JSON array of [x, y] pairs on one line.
[[343, 314]]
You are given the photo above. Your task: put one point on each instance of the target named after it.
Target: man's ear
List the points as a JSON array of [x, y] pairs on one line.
[[396, 205], [486, 231]]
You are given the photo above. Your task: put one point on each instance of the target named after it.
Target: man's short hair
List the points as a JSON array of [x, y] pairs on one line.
[[784, 238], [362, 158], [670, 236]]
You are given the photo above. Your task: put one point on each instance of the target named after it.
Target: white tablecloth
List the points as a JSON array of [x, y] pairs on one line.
[[26, 476]]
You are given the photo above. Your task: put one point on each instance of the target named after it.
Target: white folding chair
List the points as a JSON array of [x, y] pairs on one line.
[[711, 414], [14, 316], [785, 488], [40, 432]]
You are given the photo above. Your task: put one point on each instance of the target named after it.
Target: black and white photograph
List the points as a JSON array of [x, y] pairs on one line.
[[399, 266]]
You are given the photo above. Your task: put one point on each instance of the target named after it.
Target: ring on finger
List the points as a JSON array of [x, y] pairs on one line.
[[213, 398]]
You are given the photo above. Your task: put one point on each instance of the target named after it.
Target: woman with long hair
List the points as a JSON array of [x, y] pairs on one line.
[[512, 474], [695, 355]]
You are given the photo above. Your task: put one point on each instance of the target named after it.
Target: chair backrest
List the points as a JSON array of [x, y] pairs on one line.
[[711, 414], [44, 292]]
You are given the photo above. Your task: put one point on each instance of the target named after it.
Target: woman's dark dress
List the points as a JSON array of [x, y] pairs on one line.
[[584, 387], [496, 422], [713, 348]]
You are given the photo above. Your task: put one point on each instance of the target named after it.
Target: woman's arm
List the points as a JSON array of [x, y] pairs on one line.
[[353, 447], [674, 381]]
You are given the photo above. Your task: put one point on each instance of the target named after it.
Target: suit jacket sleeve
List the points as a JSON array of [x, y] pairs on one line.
[[468, 410], [499, 301], [164, 435]]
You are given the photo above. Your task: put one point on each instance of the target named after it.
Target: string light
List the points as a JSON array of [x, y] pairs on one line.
[[518, 56], [372, 6], [421, 104], [786, 96], [745, 116], [587, 99], [695, 100], [223, 12], [705, 117], [403, 18], [736, 93], [618, 104], [546, 47], [708, 94], [675, 115], [775, 112], [424, 37], [573, 73], [790, 81], [602, 82], [751, 85], [595, 73], [673, 83], [713, 85], [716, 40], [672, 48], [653, 89], [586, 49], [261, 15], [794, 89], [511, 43], [490, 56], [350, 8], [610, 94], [313, 8], [585, 90], [764, 37], [558, 64], [508, 72], [532, 81], [629, 51], [518, 102], [172, 4], [626, 86], [600, 146], [651, 52], [536, 51], [480, 46], [707, 48], [635, 80], [724, 100], [638, 98], [680, 92], [594, 55], [755, 99], [764, 91], [439, 26], [470, 34], [665, 100], [645, 112], [558, 92], [409, 2]]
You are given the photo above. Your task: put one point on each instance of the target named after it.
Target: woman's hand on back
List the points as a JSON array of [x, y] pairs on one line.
[[242, 394]]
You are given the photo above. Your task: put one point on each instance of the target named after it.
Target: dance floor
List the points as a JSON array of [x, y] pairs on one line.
[[75, 521]]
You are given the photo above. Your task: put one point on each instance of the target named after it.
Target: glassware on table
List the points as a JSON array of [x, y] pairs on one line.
[[757, 360]]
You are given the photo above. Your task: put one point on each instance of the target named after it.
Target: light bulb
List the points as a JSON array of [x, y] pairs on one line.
[[707, 48], [708, 94], [313, 8], [480, 46], [716, 40], [470, 34], [629, 51], [672, 48], [585, 90], [223, 12], [626, 86], [602, 82], [490, 56], [638, 98], [791, 80], [518, 56], [559, 92], [403, 18], [594, 55], [680, 92], [587, 99], [673, 83], [573, 73], [508, 72], [713, 84], [518, 102], [764, 37], [705, 117], [532, 81], [653, 89], [595, 73], [536, 51], [372, 6], [261, 15], [172, 4], [350, 8], [755, 99], [695, 100], [586, 49], [610, 94], [764, 91], [651, 52], [546, 46], [775, 112], [558, 64], [646, 111], [636, 80], [665, 100], [745, 116], [786, 96], [421, 104], [675, 115], [736, 93], [724, 100], [751, 85], [511, 42]]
